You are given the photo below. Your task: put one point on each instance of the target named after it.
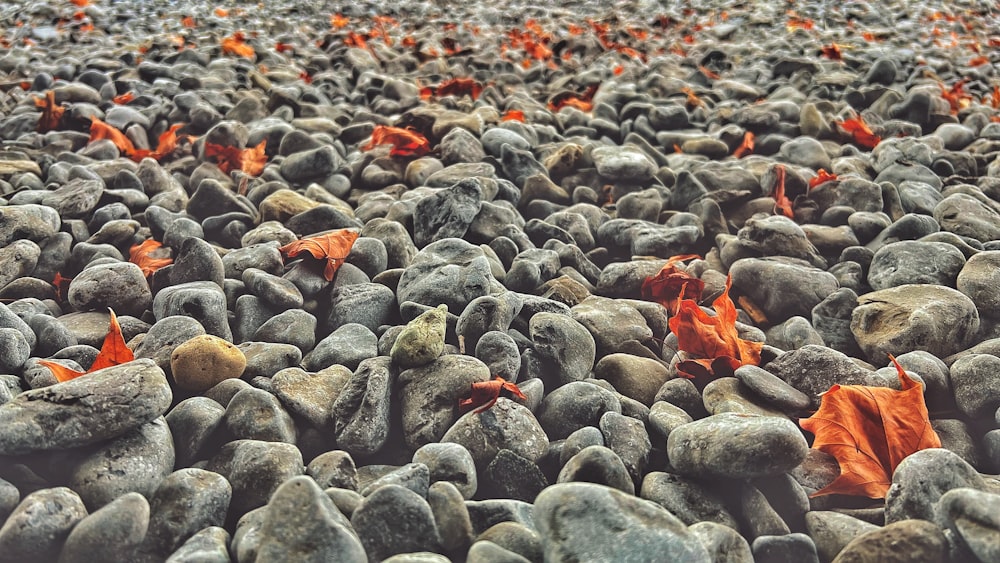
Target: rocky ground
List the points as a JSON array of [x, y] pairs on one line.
[[837, 160]]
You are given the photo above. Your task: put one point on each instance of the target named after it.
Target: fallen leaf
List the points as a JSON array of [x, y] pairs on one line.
[[222, 12], [332, 247], [513, 115], [485, 394], [338, 21], [62, 287], [746, 147], [832, 52], [956, 96], [405, 142], [581, 102], [283, 47], [712, 343], [228, 158], [188, 21], [141, 255], [671, 284], [860, 133], [821, 177], [123, 99], [453, 87], [101, 130], [708, 73], [870, 430], [52, 113], [236, 45], [979, 61], [80, 3], [113, 352], [781, 201]]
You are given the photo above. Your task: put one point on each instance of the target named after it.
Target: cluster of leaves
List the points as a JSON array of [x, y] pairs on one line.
[[113, 352]]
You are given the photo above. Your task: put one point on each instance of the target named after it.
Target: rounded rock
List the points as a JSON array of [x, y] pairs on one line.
[[205, 361]]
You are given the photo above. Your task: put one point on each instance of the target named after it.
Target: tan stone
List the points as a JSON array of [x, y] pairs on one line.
[[283, 204], [205, 361]]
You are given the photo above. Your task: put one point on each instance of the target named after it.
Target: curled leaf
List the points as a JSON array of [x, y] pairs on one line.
[[870, 430], [485, 394], [123, 99], [746, 147], [52, 112], [236, 44], [860, 133], [781, 201], [671, 284], [228, 158], [513, 115], [405, 142], [142, 256], [113, 352], [101, 130], [821, 177], [581, 102], [332, 247]]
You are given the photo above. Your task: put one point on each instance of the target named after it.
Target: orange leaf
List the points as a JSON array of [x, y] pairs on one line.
[[513, 115], [338, 21], [51, 112], [228, 158], [781, 201], [100, 130], [236, 45], [283, 47], [113, 352], [80, 3], [746, 147], [405, 142], [581, 102], [123, 98], [712, 342], [141, 255], [332, 247], [222, 12], [860, 132], [166, 143], [832, 52], [821, 177], [870, 430], [188, 21], [62, 287], [979, 61], [671, 284], [454, 87], [485, 394], [956, 96], [708, 73]]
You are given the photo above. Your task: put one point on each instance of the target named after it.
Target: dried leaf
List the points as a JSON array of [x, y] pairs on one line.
[[453, 87], [832, 52], [222, 12], [746, 147], [101, 130], [62, 287], [513, 115], [956, 96], [870, 430], [113, 352], [581, 102], [236, 45], [712, 343], [228, 158], [781, 201], [123, 98], [52, 113], [188, 21], [332, 247], [338, 21], [80, 3], [405, 142], [671, 284], [860, 133], [821, 177], [141, 255], [485, 394]]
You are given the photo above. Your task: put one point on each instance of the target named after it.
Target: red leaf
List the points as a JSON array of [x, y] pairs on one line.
[[870, 430], [338, 21], [821, 177], [832, 52], [123, 98], [405, 142], [80, 3], [283, 47], [228, 158], [100, 130], [671, 284], [141, 255], [188, 21], [332, 247], [453, 87], [222, 12], [860, 133], [62, 287], [513, 115], [581, 102], [485, 394], [52, 113], [712, 342], [781, 201], [113, 352], [236, 45], [746, 147]]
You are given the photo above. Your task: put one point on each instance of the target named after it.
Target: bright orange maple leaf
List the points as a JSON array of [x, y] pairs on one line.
[[712, 344], [332, 247], [956, 96], [338, 21], [821, 177], [781, 201], [228, 158], [113, 352], [870, 430], [52, 113], [860, 133], [236, 45], [671, 284], [405, 142], [188, 21], [141, 255], [485, 394]]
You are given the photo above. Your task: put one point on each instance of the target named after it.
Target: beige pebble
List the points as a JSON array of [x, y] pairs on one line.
[[204, 361]]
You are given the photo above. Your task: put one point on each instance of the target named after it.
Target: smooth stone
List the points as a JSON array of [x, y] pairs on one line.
[[204, 361], [499, 352], [975, 381], [973, 519], [922, 478], [627, 437], [335, 469], [203, 301], [584, 521], [690, 500], [449, 271], [302, 523], [574, 406], [360, 415], [780, 288], [165, 336], [772, 389], [413, 476], [722, 542], [122, 286], [506, 425], [449, 462], [265, 359], [255, 414], [187, 501], [348, 346], [915, 262], [980, 281], [597, 464], [209, 545], [967, 216], [193, 423], [939, 320], [86, 410], [784, 548], [294, 327], [831, 531], [422, 340], [563, 345], [448, 213], [736, 446], [814, 369], [14, 350], [905, 541], [611, 323], [368, 304], [197, 260], [430, 394], [394, 520], [121, 523], [38, 527], [512, 476], [310, 396], [623, 164]]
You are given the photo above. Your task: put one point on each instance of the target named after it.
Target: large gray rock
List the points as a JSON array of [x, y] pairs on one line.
[[814, 369], [121, 523], [37, 528], [590, 522], [429, 395], [449, 271], [915, 262], [939, 320], [95, 407], [922, 478], [782, 288]]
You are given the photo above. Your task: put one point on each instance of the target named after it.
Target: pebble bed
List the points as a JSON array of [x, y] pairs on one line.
[[273, 415]]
